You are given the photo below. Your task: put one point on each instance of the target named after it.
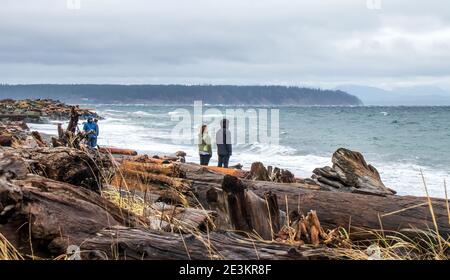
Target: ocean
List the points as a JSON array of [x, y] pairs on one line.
[[399, 141]]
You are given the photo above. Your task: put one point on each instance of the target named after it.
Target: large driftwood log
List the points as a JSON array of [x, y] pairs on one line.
[[357, 211], [43, 217], [334, 208], [139, 244], [340, 209], [171, 169], [86, 169]]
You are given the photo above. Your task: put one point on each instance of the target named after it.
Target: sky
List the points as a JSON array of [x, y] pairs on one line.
[[320, 43]]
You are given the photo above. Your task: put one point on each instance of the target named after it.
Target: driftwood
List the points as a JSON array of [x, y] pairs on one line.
[[38, 138], [258, 172], [43, 217], [172, 169], [73, 122], [339, 209], [179, 219], [357, 211], [146, 178], [68, 165], [307, 229], [334, 208], [351, 173], [140, 244], [117, 151]]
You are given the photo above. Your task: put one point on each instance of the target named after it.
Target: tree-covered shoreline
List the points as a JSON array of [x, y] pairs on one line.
[[180, 94]]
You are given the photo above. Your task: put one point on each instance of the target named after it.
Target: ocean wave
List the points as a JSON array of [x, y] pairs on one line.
[[140, 114], [267, 149]]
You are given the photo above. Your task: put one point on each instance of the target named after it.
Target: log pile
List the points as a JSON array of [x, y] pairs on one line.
[[80, 217], [356, 212]]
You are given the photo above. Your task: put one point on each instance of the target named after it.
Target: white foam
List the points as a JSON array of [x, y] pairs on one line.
[[141, 114]]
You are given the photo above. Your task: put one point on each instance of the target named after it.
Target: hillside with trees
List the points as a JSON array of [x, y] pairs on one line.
[[181, 94]]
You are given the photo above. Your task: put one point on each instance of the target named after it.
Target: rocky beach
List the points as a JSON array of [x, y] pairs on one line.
[[56, 194]]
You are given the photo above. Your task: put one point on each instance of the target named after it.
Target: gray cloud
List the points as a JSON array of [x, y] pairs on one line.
[[323, 43]]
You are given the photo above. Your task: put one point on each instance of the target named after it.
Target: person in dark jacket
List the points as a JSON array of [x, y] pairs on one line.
[[223, 140], [204, 145]]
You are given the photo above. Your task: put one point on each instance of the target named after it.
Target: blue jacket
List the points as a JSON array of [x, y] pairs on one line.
[[88, 126]]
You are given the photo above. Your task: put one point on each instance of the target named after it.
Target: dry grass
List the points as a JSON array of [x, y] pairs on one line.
[[7, 250]]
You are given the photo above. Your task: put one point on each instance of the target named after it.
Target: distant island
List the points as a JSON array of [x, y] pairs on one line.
[[181, 94]]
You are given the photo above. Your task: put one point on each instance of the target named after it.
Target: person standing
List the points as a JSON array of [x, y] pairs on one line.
[[90, 128], [204, 145], [223, 140], [97, 131]]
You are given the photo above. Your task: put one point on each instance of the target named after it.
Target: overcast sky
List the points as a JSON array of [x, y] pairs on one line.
[[320, 43]]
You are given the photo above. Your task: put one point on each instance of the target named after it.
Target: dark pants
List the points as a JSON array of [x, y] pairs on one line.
[[92, 141], [223, 161], [204, 159]]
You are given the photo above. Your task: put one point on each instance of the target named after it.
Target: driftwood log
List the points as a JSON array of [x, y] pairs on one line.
[[86, 169], [42, 218], [171, 218], [140, 244], [352, 211], [357, 211], [351, 173]]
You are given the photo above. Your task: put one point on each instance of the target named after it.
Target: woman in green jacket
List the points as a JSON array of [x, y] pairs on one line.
[[204, 145]]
